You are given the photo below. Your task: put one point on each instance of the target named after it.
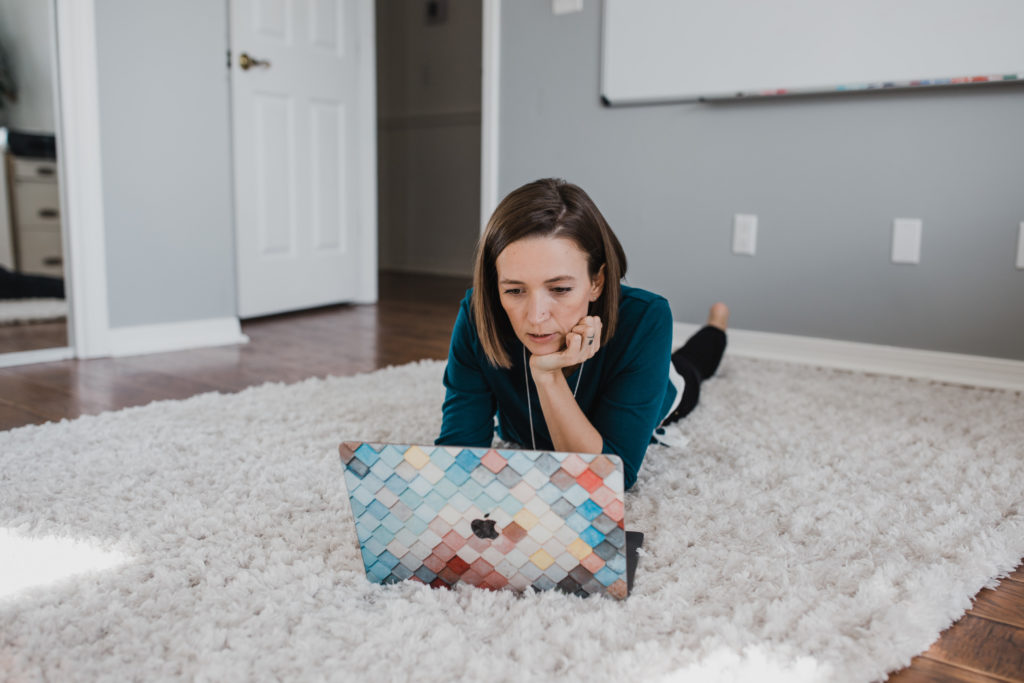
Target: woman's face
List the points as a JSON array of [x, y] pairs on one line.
[[545, 289]]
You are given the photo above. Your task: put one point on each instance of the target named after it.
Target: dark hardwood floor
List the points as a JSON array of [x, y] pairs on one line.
[[412, 320], [33, 336]]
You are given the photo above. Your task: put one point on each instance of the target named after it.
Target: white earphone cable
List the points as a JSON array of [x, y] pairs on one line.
[[529, 407]]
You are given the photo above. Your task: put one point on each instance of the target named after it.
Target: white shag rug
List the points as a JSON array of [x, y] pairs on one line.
[[819, 526], [19, 311]]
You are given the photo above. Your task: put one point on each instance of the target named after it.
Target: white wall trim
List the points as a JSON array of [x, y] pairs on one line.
[[489, 110], [366, 285], [956, 368], [37, 356], [191, 334], [82, 186]]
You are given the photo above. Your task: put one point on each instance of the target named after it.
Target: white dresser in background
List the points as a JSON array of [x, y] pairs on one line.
[[34, 196]]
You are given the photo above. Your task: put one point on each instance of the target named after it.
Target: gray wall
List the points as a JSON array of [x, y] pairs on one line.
[[428, 116], [165, 145], [826, 176]]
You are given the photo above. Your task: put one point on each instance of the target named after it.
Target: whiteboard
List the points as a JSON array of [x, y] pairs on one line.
[[672, 50]]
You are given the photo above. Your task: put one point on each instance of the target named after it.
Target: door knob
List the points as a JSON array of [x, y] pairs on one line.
[[247, 62]]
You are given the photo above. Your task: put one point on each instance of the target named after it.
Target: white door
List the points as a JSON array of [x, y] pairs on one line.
[[304, 132]]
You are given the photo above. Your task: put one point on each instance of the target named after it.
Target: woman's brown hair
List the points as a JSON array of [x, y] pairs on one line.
[[544, 208]]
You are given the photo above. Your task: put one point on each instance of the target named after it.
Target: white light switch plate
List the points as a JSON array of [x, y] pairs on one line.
[[566, 6], [1020, 246], [744, 234], [906, 240]]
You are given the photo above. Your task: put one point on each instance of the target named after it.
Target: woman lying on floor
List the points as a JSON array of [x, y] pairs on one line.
[[547, 338]]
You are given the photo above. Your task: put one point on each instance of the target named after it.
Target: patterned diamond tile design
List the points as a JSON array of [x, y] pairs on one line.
[[494, 518]]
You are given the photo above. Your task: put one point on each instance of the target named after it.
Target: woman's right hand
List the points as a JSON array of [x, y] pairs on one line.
[[581, 343]]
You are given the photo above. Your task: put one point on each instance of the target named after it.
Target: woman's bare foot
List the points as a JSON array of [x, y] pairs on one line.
[[718, 316]]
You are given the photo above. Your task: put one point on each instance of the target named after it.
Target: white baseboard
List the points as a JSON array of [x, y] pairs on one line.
[[191, 334], [36, 356], [980, 371]]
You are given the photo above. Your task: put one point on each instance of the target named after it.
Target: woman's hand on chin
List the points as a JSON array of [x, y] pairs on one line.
[[581, 343]]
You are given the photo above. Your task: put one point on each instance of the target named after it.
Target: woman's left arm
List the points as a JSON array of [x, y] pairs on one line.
[[629, 408], [632, 400]]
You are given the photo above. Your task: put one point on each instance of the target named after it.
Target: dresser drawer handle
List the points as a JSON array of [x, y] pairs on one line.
[[48, 213], [53, 261], [45, 170]]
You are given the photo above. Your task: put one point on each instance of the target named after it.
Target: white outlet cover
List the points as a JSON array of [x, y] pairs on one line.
[[566, 6], [906, 240], [744, 234]]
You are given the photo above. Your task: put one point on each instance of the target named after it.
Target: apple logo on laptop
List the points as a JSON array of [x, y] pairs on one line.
[[484, 528]]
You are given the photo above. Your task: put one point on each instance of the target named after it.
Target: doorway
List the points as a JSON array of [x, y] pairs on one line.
[[33, 307], [92, 333], [429, 66]]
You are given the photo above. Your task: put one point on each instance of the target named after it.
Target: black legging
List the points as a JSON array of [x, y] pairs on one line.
[[696, 361]]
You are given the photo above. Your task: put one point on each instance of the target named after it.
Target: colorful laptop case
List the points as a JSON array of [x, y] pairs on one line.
[[493, 518]]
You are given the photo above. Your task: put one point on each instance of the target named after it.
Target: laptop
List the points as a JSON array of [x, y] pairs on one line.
[[495, 518]]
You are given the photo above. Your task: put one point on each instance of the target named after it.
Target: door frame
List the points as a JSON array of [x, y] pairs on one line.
[[489, 110], [82, 189], [82, 184]]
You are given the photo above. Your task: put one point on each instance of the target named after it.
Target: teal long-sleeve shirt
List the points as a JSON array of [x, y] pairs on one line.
[[624, 390]]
